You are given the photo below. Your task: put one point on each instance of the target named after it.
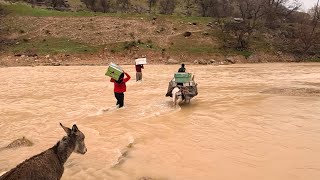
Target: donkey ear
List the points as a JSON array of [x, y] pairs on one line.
[[75, 128], [66, 129]]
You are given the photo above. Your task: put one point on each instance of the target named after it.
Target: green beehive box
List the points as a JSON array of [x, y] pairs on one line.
[[182, 77], [114, 71]]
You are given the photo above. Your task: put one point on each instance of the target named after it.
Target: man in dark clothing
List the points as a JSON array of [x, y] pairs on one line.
[[182, 68], [138, 72]]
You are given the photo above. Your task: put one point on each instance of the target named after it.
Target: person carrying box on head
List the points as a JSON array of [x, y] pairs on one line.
[[139, 66], [139, 72], [117, 77], [120, 88]]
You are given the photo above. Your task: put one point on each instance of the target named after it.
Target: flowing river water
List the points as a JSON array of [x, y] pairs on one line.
[[249, 121]]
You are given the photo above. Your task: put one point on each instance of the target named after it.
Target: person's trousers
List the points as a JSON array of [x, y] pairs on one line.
[[120, 99], [138, 76]]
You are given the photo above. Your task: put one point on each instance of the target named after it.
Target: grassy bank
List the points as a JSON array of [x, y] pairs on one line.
[[22, 9], [53, 46]]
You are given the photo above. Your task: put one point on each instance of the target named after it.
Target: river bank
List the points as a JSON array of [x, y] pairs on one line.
[[99, 59]]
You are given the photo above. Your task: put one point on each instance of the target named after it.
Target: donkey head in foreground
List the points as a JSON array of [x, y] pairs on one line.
[[76, 136]]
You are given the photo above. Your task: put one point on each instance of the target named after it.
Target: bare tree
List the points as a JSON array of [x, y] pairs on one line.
[[188, 5], [251, 12], [226, 8], [214, 8], [57, 3], [220, 8], [167, 6], [105, 5], [308, 32], [151, 3], [33, 3], [278, 10], [90, 4], [123, 5], [204, 6]]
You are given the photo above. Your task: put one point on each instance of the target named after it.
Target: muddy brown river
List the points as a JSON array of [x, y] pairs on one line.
[[249, 122]]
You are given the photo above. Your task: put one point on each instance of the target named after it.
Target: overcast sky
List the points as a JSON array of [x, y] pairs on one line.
[[307, 4]]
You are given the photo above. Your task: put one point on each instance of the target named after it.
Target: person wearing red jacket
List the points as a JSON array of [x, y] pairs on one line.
[[120, 88]]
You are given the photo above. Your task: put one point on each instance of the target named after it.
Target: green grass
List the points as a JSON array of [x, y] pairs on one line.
[[126, 46], [26, 10], [260, 43], [314, 59], [192, 45], [22, 9], [187, 19], [54, 46], [245, 53], [181, 45]]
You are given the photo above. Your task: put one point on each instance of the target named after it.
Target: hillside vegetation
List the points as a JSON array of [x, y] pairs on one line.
[[47, 35]]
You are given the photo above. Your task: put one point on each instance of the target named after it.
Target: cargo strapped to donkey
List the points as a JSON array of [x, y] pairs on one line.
[[182, 77], [184, 81]]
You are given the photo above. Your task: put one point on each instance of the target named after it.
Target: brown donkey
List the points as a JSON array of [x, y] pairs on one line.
[[48, 165]]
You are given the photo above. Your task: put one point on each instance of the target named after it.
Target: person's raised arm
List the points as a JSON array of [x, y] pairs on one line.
[[127, 78]]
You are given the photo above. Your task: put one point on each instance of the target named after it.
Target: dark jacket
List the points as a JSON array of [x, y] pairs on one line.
[[182, 69], [139, 67]]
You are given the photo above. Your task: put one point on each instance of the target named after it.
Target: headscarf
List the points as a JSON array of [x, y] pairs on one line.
[[120, 78]]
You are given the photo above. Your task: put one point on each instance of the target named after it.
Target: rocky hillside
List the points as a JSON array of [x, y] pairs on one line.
[[36, 36]]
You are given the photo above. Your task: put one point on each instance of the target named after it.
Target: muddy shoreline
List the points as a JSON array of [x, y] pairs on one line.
[[13, 60]]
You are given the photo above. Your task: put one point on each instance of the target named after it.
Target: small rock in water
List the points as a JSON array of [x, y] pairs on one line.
[[105, 110], [19, 143]]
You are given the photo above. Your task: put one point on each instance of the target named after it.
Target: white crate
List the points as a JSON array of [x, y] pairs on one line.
[[141, 61]]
